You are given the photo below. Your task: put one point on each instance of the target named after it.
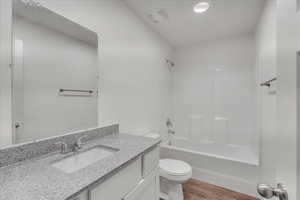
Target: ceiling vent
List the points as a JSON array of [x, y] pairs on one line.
[[158, 16]]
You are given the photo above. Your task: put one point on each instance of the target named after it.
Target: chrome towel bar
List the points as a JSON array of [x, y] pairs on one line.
[[268, 83], [80, 91]]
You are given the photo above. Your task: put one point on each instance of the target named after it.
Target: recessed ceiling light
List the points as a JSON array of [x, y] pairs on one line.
[[201, 7]]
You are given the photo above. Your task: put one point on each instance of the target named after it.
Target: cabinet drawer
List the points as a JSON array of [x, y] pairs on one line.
[[150, 161], [117, 186]]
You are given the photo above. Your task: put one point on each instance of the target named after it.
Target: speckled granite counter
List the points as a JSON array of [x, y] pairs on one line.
[[36, 179]]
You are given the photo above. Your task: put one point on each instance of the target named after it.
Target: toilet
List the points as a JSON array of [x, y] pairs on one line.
[[173, 173]]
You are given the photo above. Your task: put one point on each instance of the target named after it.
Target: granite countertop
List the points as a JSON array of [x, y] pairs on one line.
[[36, 179]]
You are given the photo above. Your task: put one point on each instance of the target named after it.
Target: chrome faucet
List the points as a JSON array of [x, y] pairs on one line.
[[170, 127], [63, 147], [79, 143]]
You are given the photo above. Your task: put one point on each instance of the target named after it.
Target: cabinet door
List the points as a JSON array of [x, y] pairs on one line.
[[148, 189], [150, 161], [82, 196], [117, 186]]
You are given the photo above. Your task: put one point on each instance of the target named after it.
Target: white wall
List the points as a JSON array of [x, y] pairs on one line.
[[288, 65], [48, 60], [266, 70], [134, 79], [214, 91], [5, 73]]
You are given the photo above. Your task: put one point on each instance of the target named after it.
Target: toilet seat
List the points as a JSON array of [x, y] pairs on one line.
[[175, 170]]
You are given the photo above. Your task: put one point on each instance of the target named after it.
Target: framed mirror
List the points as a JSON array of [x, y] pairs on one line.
[[55, 74]]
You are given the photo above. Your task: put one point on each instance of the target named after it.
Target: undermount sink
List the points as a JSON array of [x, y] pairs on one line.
[[82, 160]]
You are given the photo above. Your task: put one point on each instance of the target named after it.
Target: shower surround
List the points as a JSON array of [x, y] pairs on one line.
[[215, 97]]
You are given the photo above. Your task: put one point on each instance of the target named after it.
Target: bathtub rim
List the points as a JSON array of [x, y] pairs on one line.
[[167, 146]]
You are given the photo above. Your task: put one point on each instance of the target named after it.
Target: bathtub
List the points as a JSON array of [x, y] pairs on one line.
[[220, 151], [229, 166]]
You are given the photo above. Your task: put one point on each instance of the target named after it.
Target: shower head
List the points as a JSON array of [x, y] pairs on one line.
[[158, 16]]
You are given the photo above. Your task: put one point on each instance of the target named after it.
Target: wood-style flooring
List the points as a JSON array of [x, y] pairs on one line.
[[197, 190]]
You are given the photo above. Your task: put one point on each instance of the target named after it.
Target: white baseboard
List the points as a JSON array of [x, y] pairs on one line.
[[229, 182]]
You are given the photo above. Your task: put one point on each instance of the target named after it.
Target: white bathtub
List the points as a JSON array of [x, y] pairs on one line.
[[221, 151], [229, 166]]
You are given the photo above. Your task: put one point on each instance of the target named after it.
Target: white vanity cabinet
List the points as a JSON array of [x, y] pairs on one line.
[[138, 180], [147, 189], [118, 185], [82, 196]]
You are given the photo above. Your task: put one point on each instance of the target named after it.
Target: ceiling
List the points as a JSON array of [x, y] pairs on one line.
[[176, 21]]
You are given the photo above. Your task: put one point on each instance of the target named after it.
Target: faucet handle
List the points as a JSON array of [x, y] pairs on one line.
[[170, 131], [63, 147], [79, 142]]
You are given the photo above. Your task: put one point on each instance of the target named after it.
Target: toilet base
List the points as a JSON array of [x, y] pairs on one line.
[[171, 189]]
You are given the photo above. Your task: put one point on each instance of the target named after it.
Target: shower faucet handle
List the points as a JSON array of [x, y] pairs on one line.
[[268, 191], [169, 123], [171, 132]]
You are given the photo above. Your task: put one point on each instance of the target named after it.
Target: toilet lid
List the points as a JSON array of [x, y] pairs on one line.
[[174, 167]]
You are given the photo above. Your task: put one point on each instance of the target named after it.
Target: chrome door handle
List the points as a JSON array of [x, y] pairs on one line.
[[17, 125], [268, 191]]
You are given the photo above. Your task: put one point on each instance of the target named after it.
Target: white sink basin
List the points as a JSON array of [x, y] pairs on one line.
[[82, 160]]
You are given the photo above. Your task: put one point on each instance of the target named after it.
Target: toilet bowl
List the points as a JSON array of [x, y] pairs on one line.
[[172, 174]]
